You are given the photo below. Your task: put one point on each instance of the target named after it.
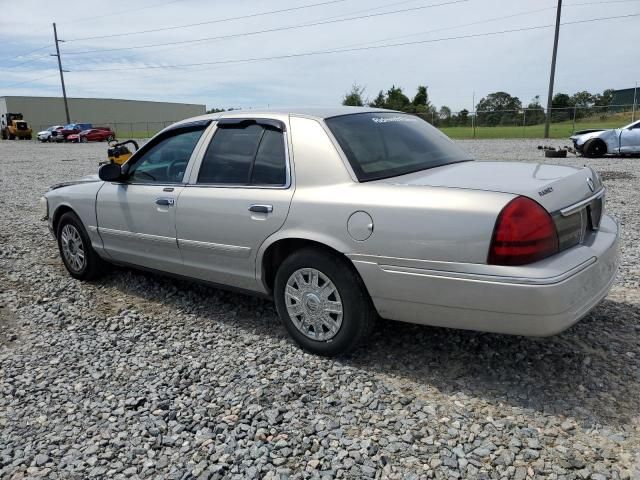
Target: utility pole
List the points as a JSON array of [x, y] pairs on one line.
[[473, 114], [57, 54], [547, 121], [635, 96]]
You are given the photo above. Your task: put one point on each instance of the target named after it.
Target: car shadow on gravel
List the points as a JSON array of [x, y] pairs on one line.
[[591, 371]]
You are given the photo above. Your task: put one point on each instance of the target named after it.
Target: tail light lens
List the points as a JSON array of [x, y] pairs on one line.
[[524, 233]]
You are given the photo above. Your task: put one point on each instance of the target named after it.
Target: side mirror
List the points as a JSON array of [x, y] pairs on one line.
[[110, 172]]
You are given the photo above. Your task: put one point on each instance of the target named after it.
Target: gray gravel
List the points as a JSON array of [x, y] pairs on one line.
[[137, 376]]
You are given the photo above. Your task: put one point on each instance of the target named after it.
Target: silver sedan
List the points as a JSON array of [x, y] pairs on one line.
[[600, 142], [345, 215]]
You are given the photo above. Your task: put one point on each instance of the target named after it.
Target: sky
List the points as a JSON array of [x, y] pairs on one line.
[[592, 56]]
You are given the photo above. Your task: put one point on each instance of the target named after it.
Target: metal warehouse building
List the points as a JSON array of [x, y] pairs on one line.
[[122, 115]]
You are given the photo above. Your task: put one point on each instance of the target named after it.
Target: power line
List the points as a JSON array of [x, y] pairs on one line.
[[353, 12], [208, 22], [27, 53], [30, 80], [488, 20], [276, 29], [137, 9], [27, 61], [356, 49]]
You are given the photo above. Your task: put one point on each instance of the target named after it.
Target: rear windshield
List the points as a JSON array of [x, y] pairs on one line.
[[382, 145]]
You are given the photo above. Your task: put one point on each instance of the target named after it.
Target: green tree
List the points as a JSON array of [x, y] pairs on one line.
[[498, 108], [215, 110], [461, 119], [535, 112], [444, 116], [397, 100], [604, 99], [561, 100], [379, 102], [561, 107], [582, 99], [421, 103], [354, 97]]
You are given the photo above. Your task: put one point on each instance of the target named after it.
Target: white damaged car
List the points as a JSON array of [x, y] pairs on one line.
[[597, 142]]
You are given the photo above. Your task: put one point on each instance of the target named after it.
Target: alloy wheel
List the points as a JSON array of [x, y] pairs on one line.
[[72, 247]]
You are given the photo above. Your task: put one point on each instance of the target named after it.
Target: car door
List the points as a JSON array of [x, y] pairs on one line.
[[136, 217], [630, 138], [238, 195]]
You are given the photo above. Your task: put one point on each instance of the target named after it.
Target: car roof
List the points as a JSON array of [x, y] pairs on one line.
[[319, 113]]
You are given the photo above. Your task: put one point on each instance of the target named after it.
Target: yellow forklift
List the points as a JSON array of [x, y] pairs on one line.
[[119, 153]]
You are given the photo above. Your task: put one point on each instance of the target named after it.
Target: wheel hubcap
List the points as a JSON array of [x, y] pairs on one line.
[[314, 304], [72, 247]]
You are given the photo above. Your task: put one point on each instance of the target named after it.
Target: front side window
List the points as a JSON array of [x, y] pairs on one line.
[[383, 145], [244, 154], [166, 161]]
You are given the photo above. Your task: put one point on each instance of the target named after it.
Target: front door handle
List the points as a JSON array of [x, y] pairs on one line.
[[261, 208], [167, 202]]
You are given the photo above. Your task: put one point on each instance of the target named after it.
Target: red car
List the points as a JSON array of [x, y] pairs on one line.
[[99, 134]]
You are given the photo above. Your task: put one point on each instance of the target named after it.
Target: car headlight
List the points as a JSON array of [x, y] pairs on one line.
[[44, 208]]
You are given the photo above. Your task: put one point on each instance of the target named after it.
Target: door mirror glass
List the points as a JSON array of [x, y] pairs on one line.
[[110, 172]]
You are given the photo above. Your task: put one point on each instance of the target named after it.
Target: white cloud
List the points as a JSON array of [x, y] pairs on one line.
[[592, 56]]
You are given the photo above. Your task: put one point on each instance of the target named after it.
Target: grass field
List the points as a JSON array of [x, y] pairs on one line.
[[561, 130]]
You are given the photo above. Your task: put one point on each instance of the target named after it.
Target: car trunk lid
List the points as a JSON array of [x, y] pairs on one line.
[[555, 187], [573, 196]]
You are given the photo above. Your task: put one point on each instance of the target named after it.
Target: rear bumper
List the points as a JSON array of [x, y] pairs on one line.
[[536, 306]]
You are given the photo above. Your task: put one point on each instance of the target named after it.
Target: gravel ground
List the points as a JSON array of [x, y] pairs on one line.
[[137, 376]]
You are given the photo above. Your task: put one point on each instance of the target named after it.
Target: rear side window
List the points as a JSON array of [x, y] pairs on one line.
[[245, 155], [383, 145]]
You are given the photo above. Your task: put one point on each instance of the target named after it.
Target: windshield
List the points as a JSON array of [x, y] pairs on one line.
[[382, 145]]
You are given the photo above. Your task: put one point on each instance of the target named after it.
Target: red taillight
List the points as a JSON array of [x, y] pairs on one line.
[[524, 233]]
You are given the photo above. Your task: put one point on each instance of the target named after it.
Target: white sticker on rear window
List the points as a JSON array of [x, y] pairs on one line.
[[394, 119]]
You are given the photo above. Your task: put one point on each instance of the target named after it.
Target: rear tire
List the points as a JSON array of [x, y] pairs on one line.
[[78, 256], [83, 139], [312, 285], [594, 148]]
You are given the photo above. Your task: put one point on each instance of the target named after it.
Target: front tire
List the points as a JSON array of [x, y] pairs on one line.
[[78, 256], [594, 148], [323, 302]]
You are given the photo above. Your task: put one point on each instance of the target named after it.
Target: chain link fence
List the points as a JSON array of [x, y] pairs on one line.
[[521, 123], [529, 122]]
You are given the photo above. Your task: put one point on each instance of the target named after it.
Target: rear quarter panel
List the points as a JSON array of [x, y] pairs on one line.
[[415, 222]]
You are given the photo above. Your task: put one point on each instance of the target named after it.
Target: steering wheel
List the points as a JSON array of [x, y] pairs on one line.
[[176, 169]]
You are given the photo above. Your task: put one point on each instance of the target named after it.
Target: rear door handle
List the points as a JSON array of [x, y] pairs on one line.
[[261, 208], [167, 202]]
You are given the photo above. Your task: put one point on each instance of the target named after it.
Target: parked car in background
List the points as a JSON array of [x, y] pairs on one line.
[[97, 134], [45, 135], [342, 215], [61, 135], [599, 142]]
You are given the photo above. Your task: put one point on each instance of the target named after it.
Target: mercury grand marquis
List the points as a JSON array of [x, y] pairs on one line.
[[346, 215]]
